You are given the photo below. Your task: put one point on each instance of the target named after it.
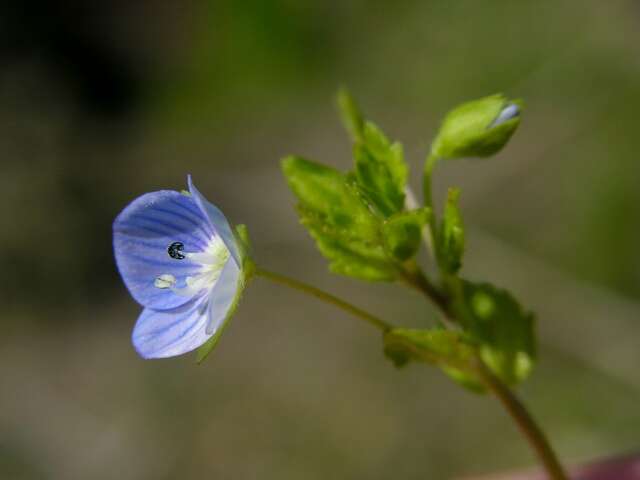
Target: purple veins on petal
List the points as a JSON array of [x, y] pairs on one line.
[[166, 333], [142, 234], [179, 259]]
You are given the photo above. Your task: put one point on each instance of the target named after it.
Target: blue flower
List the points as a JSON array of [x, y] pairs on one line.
[[180, 260]]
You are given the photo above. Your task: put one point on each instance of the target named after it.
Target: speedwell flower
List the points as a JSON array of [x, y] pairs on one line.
[[180, 260]]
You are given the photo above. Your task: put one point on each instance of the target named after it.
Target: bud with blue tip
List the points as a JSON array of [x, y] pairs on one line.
[[479, 128]]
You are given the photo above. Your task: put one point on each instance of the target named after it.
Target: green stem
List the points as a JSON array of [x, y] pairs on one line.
[[511, 403], [416, 278], [325, 297], [527, 425], [516, 409], [427, 195], [429, 165]]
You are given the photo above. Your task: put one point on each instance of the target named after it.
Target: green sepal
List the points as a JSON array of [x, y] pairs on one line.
[[403, 233], [444, 348], [469, 130], [244, 242], [338, 217], [350, 113], [502, 330], [246, 273], [450, 235], [381, 170]]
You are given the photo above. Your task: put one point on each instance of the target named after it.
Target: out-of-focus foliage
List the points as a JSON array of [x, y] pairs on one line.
[[381, 170], [359, 219], [348, 216], [504, 331], [403, 232]]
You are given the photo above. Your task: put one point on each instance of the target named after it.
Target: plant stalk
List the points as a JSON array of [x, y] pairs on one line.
[[429, 165], [516, 409], [427, 198], [526, 424], [507, 398], [325, 297], [512, 404]]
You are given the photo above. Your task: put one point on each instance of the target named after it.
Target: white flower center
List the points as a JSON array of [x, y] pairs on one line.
[[211, 260]]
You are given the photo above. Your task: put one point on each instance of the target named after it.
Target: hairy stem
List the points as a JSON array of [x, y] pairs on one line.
[[507, 398], [429, 165], [427, 197], [325, 297], [514, 407], [527, 425], [415, 278], [525, 422]]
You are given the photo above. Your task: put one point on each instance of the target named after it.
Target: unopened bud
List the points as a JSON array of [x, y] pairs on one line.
[[479, 128]]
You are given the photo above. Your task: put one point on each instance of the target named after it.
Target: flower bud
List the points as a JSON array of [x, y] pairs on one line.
[[479, 128]]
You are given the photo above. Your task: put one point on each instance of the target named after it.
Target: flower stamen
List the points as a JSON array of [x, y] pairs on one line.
[[165, 281], [211, 260]]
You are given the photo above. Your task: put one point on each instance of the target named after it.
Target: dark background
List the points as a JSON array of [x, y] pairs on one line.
[[103, 101]]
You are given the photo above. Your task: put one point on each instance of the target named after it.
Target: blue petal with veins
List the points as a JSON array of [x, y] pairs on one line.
[[166, 333], [142, 234]]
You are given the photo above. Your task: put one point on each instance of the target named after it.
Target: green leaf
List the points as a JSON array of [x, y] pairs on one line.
[[466, 378], [348, 255], [380, 168], [444, 348], [330, 197], [436, 346], [338, 217], [381, 171], [403, 233], [502, 329], [350, 113], [450, 238]]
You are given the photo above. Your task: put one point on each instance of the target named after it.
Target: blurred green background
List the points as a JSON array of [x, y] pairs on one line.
[[103, 101]]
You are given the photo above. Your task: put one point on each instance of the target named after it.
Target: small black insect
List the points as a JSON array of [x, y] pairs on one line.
[[174, 250]]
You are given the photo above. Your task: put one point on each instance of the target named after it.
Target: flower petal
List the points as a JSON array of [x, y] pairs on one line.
[[167, 333], [222, 297], [142, 234], [217, 220]]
